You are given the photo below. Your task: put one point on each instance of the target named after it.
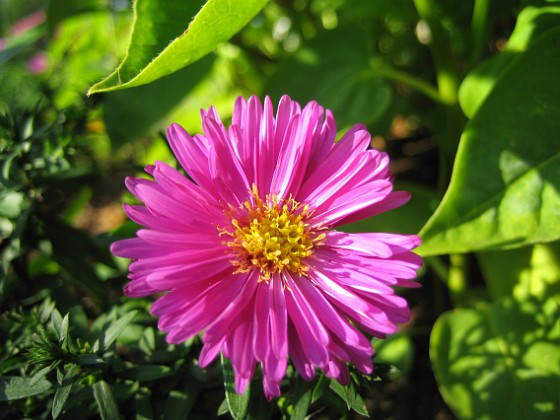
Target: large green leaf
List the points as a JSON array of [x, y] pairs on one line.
[[531, 23], [131, 113], [501, 361], [504, 187], [522, 270], [163, 41]]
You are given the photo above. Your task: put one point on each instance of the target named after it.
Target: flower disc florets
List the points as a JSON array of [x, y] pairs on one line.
[[271, 235]]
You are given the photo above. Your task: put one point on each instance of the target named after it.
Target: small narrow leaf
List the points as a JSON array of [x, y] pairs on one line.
[[15, 387], [302, 399], [148, 372], [105, 400], [56, 321], [180, 402], [114, 330], [238, 404], [349, 394], [63, 391], [64, 328]]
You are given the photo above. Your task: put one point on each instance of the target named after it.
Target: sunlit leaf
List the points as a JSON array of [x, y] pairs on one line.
[[504, 191], [165, 37], [501, 361], [532, 23]]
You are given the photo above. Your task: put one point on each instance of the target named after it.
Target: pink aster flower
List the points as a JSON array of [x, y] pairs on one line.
[[245, 248]]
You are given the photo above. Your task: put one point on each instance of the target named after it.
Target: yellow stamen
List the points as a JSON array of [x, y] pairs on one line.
[[271, 235]]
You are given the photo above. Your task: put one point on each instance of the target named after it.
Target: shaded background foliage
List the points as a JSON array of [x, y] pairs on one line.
[[465, 98]]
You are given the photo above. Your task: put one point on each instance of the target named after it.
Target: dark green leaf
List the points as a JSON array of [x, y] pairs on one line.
[[89, 359], [148, 372], [238, 404], [351, 92], [349, 394], [163, 41], [106, 403], [180, 403], [15, 387], [63, 391], [301, 399], [58, 10], [143, 401], [504, 191], [320, 388]]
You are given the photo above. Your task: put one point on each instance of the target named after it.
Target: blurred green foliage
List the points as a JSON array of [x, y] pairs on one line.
[[462, 95]]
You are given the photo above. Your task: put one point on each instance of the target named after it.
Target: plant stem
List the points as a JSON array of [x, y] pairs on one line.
[[447, 79], [391, 73], [478, 28], [457, 281]]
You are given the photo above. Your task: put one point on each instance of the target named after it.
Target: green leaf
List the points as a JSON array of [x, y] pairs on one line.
[[301, 399], [89, 359], [528, 271], [180, 402], [106, 403], [109, 335], [349, 394], [56, 321], [238, 404], [504, 191], [148, 372], [396, 350], [163, 41], [15, 387], [351, 92], [501, 361], [63, 332], [531, 23], [131, 113], [63, 391], [143, 403]]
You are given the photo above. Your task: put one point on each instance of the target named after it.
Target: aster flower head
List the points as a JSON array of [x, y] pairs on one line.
[[245, 248]]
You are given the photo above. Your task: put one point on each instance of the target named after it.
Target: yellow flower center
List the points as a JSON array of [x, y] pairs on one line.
[[271, 235]]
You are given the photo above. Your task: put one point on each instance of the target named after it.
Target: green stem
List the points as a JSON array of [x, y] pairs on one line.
[[478, 28], [388, 72], [457, 281], [447, 79]]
